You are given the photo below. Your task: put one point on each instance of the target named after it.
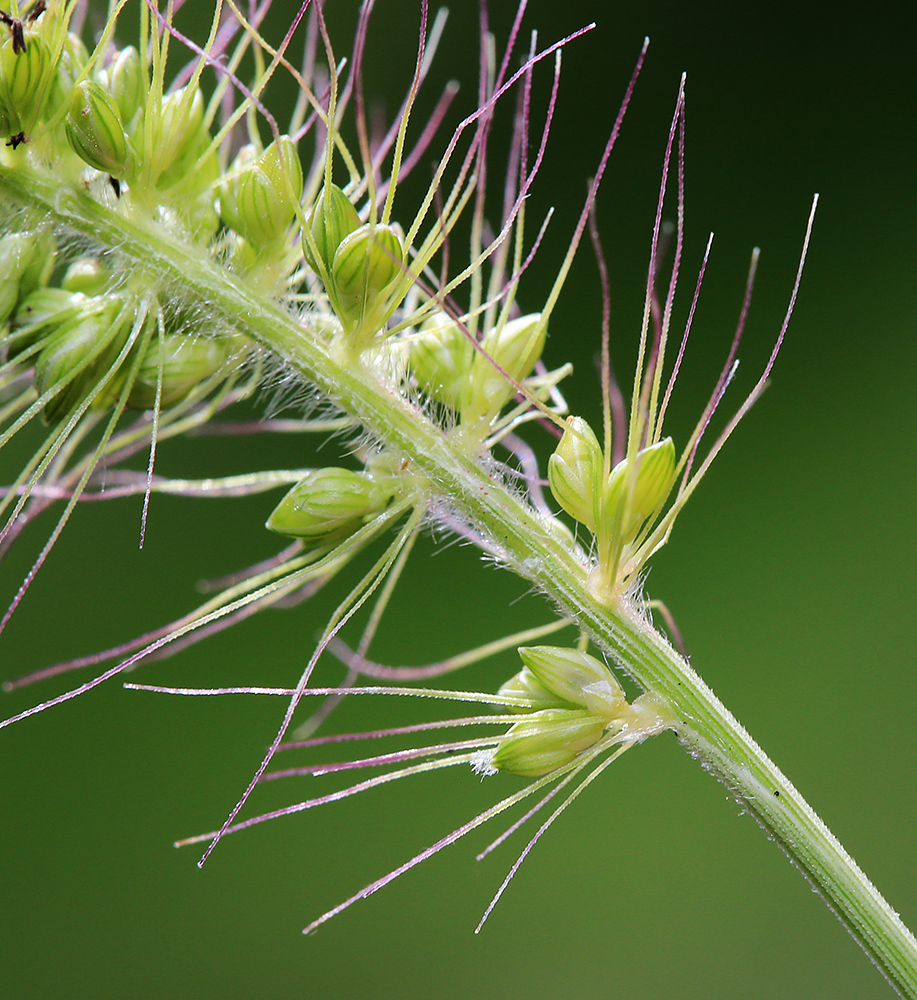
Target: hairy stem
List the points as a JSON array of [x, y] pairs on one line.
[[520, 538]]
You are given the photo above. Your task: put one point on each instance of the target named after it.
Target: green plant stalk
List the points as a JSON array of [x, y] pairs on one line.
[[704, 725]]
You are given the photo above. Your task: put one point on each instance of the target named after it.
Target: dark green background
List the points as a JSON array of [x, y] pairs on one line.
[[791, 573]]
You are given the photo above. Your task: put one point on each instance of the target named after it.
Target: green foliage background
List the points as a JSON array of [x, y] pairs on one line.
[[791, 574]]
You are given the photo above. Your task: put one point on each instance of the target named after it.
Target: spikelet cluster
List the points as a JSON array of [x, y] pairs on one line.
[[112, 358]]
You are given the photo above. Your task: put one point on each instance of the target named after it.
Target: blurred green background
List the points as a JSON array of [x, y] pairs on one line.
[[791, 574]]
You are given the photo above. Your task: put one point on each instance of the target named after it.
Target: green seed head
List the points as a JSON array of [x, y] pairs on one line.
[[127, 82], [184, 364], [40, 263], [526, 685], [181, 131], [194, 172], [229, 187], [26, 261], [72, 346], [332, 218], [25, 78], [259, 202], [574, 471], [515, 347], [47, 307], [87, 275], [575, 677], [440, 358], [95, 132], [548, 741], [326, 503], [367, 265], [654, 476]]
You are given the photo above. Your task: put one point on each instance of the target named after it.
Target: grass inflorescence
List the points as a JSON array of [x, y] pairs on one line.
[[173, 247]]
